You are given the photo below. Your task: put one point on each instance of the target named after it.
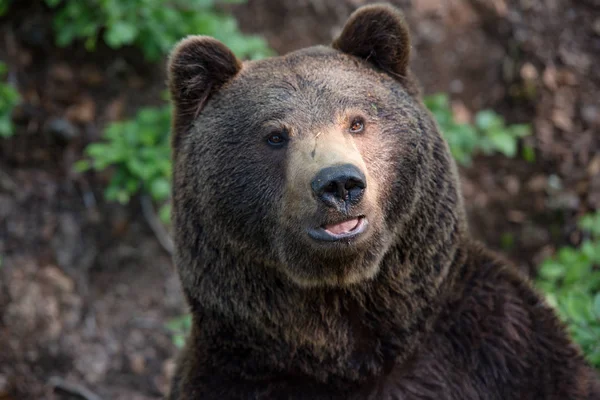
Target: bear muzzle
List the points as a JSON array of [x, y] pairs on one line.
[[339, 188]]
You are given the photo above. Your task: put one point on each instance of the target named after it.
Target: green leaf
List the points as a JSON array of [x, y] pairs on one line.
[[551, 270], [591, 223], [438, 101], [6, 127], [503, 142], [593, 357], [588, 251], [132, 185], [507, 241], [180, 324], [164, 214], [520, 130], [90, 43], [122, 196], [528, 154], [552, 300], [597, 305], [583, 335], [160, 189], [568, 256], [120, 33], [179, 341], [578, 270], [82, 166], [138, 168], [4, 6], [488, 119], [578, 307]]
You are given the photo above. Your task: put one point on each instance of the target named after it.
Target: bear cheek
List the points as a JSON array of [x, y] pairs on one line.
[[387, 157]]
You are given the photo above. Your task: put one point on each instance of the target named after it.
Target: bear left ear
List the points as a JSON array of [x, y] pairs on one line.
[[378, 34], [198, 67]]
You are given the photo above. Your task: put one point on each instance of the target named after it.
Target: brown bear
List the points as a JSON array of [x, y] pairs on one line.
[[321, 238]]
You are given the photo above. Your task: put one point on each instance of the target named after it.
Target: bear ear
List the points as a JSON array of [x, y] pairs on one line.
[[378, 34], [197, 68]]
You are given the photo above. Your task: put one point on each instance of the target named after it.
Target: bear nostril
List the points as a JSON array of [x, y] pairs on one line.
[[354, 183], [339, 183], [333, 187]]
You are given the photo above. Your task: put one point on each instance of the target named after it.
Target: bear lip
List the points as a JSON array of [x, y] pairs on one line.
[[346, 229]]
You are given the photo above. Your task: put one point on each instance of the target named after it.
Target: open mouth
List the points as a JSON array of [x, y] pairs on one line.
[[347, 229]]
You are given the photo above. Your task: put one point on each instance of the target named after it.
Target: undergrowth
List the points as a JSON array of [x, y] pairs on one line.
[[571, 282], [138, 152], [9, 98], [153, 26], [489, 134]]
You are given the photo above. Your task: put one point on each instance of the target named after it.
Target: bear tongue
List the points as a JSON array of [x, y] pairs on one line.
[[342, 227]]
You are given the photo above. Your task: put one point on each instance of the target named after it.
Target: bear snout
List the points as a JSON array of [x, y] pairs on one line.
[[339, 186]]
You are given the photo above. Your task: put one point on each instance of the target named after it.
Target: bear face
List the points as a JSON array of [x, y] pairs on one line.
[[315, 163]]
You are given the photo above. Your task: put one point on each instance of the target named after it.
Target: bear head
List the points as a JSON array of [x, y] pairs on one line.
[[315, 163], [307, 181]]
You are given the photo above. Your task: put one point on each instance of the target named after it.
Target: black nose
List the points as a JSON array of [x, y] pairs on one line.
[[339, 183]]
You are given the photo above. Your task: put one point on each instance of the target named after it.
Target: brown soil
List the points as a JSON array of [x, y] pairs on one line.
[[85, 288]]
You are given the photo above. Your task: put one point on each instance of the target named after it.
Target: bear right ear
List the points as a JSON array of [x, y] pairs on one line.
[[378, 34], [197, 68]]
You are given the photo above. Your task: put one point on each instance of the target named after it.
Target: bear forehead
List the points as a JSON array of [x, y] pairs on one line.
[[313, 69], [309, 85]]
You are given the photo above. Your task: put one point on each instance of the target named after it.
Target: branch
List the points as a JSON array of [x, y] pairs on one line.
[[157, 227], [74, 389]]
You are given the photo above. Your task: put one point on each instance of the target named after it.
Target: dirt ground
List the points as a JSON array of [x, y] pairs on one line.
[[85, 287]]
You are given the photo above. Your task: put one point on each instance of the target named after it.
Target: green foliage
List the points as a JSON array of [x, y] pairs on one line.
[[152, 25], [180, 328], [507, 241], [139, 152], [571, 281], [489, 134], [4, 6], [9, 98]]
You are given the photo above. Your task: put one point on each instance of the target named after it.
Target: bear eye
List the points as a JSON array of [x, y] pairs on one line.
[[277, 139], [357, 125]]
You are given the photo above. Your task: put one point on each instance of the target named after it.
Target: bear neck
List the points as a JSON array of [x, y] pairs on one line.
[[255, 323]]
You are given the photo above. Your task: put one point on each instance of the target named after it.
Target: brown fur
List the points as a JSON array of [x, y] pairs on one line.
[[412, 309]]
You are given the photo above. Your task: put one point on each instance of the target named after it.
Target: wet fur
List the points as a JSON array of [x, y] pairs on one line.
[[273, 317]]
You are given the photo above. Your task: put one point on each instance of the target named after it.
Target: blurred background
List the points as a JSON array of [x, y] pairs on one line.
[[90, 306]]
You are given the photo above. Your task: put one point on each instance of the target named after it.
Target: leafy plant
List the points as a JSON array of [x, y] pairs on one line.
[[489, 134], [571, 281], [4, 6], [9, 98], [139, 152], [152, 25], [180, 328]]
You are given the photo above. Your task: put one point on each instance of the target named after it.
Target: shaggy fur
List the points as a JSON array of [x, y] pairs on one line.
[[411, 309]]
